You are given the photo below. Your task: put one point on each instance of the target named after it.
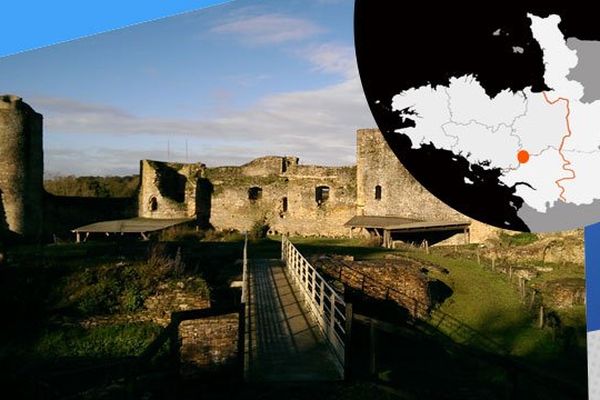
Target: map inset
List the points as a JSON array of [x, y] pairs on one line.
[[517, 132]]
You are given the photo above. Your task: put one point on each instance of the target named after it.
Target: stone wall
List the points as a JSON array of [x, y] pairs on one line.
[[168, 299], [209, 345], [287, 200], [21, 170], [373, 278], [401, 194], [171, 190]]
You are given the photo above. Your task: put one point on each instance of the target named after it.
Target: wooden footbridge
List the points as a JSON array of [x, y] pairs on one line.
[[295, 321], [297, 326]]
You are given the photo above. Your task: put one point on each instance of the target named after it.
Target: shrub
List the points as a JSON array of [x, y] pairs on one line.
[[228, 235], [181, 233], [518, 239], [161, 264], [258, 230], [372, 241], [132, 299]]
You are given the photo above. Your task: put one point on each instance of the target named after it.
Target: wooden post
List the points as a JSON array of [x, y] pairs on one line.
[[426, 246], [541, 320], [372, 349], [174, 343], [478, 257], [386, 239], [533, 293], [348, 343], [494, 263], [77, 237]]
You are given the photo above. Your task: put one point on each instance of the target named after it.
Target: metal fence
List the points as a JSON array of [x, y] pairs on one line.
[[324, 303]]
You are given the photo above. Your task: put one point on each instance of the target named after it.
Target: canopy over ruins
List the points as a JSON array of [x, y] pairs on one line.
[[142, 226], [389, 227]]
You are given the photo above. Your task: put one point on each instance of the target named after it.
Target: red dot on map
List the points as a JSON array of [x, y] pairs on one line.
[[523, 156]]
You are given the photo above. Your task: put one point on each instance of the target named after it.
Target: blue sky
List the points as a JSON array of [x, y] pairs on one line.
[[235, 81]]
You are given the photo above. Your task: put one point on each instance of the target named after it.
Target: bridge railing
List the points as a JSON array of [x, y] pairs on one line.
[[324, 303]]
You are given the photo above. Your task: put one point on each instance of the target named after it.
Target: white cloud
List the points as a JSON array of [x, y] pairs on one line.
[[268, 28], [332, 58], [319, 126]]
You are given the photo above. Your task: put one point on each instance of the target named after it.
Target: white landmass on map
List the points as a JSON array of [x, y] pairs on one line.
[[561, 134]]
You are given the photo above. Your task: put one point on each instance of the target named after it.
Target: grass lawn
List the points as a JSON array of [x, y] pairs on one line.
[[60, 347], [486, 302]]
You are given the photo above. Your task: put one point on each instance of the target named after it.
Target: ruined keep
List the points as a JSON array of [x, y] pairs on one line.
[[275, 191], [173, 190], [21, 169]]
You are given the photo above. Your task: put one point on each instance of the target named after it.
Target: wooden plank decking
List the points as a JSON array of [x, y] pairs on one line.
[[283, 342]]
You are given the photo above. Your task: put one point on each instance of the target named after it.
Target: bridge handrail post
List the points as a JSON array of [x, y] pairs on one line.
[[332, 316]]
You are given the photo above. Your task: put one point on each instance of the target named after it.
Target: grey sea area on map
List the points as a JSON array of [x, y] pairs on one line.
[[560, 216], [586, 70]]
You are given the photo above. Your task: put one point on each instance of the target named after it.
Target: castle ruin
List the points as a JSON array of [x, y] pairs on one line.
[[278, 191]]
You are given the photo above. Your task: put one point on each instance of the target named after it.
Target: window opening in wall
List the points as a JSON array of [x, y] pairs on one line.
[[153, 204], [377, 192], [321, 194], [254, 193], [283, 165], [284, 204]]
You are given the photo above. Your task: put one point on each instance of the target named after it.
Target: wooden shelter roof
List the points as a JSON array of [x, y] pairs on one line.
[[393, 223], [133, 225]]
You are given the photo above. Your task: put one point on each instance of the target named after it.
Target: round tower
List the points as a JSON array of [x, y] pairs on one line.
[[21, 169]]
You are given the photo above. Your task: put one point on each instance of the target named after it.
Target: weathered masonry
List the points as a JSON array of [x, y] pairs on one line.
[[276, 191]]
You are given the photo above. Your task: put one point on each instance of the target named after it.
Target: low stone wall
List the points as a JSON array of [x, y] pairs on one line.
[[410, 288], [209, 345], [169, 299], [565, 293]]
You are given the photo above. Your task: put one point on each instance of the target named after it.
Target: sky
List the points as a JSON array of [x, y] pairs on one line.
[[228, 83]]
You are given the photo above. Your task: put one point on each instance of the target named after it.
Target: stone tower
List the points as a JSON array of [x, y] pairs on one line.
[[21, 170], [172, 190]]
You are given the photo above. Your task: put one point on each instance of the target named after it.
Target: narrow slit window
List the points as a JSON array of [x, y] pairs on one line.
[[284, 204], [378, 192], [254, 193], [321, 194]]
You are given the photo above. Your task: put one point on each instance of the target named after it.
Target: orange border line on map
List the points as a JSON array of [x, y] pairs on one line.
[[566, 163]]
